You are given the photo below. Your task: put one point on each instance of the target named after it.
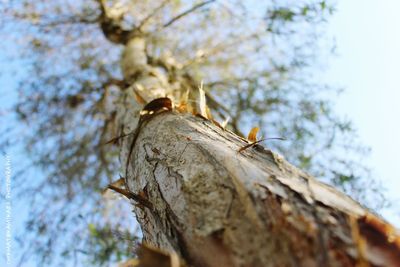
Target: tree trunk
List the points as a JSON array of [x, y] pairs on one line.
[[216, 206], [213, 205]]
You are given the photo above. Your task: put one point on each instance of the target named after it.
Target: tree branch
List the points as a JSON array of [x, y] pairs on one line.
[[152, 14], [187, 12]]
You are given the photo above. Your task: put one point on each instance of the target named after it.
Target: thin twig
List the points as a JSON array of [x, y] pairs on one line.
[[190, 10], [102, 7], [141, 200], [259, 141], [152, 14]]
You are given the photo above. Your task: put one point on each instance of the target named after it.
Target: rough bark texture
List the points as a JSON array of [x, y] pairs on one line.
[[215, 206]]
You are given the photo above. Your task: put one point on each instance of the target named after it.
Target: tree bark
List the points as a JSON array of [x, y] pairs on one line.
[[215, 206], [212, 203]]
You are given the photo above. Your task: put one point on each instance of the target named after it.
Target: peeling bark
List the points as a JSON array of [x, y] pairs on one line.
[[215, 206]]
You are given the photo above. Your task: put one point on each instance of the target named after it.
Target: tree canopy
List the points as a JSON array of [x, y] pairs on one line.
[[257, 62]]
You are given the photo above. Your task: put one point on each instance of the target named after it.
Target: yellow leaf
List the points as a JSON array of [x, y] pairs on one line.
[[209, 115], [182, 107], [202, 101], [252, 137], [139, 99], [183, 104], [225, 122]]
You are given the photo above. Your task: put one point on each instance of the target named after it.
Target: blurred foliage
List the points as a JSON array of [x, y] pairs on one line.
[[107, 244], [258, 59]]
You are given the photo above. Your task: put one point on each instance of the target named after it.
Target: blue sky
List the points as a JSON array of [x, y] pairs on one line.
[[368, 46], [367, 34]]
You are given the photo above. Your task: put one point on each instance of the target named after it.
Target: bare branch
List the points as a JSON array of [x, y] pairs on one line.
[[111, 25], [102, 7], [70, 21], [152, 14], [187, 12]]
